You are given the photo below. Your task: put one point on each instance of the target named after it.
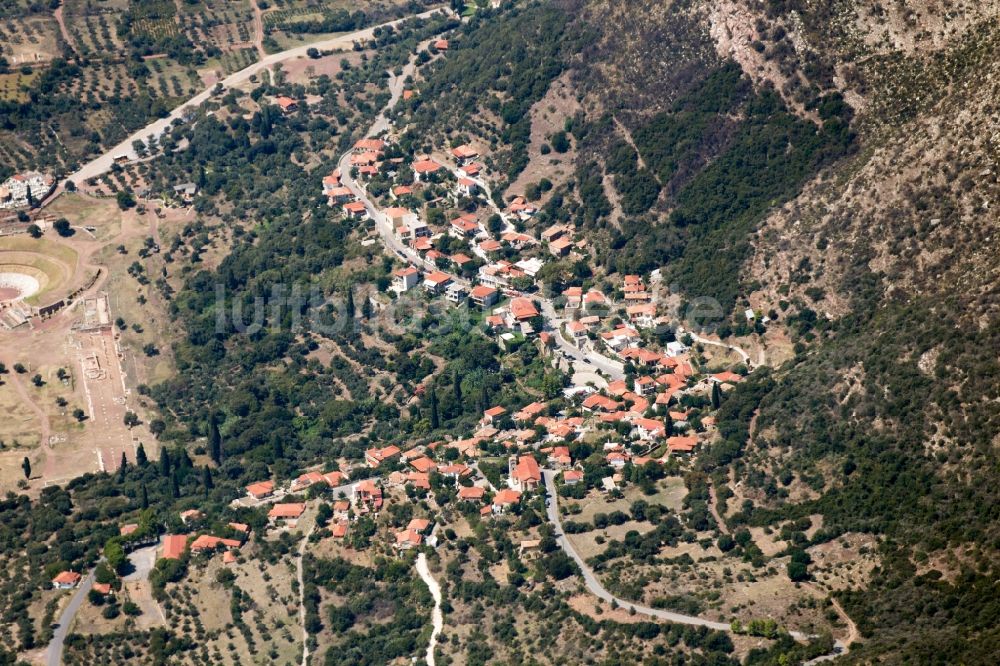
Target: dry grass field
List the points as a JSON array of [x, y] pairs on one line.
[[96, 371]]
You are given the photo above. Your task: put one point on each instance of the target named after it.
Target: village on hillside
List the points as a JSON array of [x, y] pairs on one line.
[[642, 402]]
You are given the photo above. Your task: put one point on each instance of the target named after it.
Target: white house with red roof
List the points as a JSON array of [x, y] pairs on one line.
[[649, 429], [436, 282], [484, 296], [287, 513], [524, 473], [405, 279], [464, 154], [467, 187], [260, 490], [642, 315], [620, 338], [505, 499], [492, 415], [464, 226], [578, 332], [522, 309], [375, 457], [367, 496], [369, 146], [422, 169], [66, 580], [355, 210]]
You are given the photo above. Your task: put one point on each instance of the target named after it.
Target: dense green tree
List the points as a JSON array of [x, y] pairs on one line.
[[164, 462], [350, 304], [214, 441], [115, 554], [435, 418]]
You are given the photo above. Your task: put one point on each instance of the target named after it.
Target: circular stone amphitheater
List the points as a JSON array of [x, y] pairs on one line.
[[17, 286], [35, 272]]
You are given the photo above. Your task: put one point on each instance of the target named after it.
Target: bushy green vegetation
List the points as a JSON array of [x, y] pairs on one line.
[[501, 64], [384, 612], [725, 155]]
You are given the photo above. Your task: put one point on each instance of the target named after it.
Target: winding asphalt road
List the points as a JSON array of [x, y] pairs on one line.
[[104, 163], [591, 580], [598, 590], [585, 359], [53, 654]]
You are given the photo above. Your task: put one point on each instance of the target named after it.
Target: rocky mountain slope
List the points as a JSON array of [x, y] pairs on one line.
[[833, 165]]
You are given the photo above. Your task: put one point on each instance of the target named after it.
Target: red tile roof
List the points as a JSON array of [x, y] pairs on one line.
[[438, 278], [261, 488], [67, 578], [522, 309], [464, 152], [426, 166], [419, 524], [728, 377], [471, 493], [507, 496], [423, 464], [174, 546], [374, 145], [290, 510], [682, 444], [598, 401], [209, 542], [527, 471]]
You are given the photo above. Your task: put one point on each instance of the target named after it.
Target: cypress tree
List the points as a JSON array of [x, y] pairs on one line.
[[144, 498], [122, 466], [435, 419], [215, 441], [26, 467], [278, 448], [164, 463], [716, 395], [206, 478], [350, 303], [175, 485], [366, 308], [140, 456], [457, 387]]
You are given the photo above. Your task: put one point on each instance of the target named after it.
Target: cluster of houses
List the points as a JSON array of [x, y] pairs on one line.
[[491, 263], [626, 409], [22, 189]]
